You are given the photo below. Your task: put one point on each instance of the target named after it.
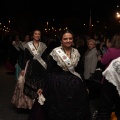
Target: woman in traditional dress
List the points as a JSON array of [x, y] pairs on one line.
[[35, 56], [33, 69], [65, 91], [19, 99]]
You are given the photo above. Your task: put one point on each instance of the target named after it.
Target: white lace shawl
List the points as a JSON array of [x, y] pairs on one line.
[[75, 57], [112, 73], [41, 48], [16, 45]]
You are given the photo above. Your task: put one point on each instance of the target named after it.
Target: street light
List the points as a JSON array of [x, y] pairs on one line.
[[118, 15], [9, 24]]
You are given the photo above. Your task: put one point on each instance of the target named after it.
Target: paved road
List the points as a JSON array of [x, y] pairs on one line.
[[7, 109]]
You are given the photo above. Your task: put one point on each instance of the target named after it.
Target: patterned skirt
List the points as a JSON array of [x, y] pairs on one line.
[[19, 99]]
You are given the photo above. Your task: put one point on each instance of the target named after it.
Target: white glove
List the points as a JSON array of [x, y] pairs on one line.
[[41, 99]]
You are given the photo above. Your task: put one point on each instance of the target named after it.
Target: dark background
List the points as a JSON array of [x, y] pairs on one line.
[[28, 14]]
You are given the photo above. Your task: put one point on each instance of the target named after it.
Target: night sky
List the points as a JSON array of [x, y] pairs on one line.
[[24, 15]]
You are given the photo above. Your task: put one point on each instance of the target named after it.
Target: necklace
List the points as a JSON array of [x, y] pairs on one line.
[[67, 52], [36, 46]]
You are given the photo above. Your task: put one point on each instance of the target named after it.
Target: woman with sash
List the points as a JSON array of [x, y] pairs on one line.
[[33, 68], [19, 99], [65, 91]]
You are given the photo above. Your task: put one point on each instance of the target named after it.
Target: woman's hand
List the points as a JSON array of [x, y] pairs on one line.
[[99, 58], [39, 91]]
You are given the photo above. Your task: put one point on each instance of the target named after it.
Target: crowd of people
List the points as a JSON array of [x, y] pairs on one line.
[[53, 76]]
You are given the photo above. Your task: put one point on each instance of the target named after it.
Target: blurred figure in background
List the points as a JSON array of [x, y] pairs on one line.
[[14, 54], [109, 99], [19, 99]]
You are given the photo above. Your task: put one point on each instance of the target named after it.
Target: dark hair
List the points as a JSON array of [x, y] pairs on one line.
[[36, 30], [116, 41], [66, 31]]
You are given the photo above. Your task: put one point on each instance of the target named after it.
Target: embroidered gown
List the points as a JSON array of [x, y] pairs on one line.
[[35, 71], [19, 99], [36, 77], [66, 94]]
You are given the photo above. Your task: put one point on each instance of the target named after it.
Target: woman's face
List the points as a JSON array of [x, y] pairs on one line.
[[91, 45], [108, 44], [27, 38], [67, 40], [17, 38], [36, 35]]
